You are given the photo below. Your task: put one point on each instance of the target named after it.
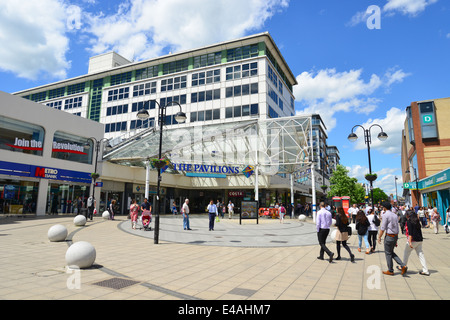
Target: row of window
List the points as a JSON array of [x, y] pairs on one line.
[[195, 116], [202, 96], [70, 103]]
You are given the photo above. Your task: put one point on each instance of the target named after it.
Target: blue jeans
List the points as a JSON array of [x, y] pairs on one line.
[[186, 221], [366, 240]]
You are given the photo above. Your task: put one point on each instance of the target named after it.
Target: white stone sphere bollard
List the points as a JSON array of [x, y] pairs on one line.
[[57, 233], [105, 215], [353, 226], [333, 235], [302, 217], [79, 220], [81, 254]]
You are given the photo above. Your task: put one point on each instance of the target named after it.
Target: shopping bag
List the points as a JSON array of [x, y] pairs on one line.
[[217, 219]]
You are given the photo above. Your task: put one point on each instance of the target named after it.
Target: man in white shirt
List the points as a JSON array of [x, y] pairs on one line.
[[185, 212], [323, 223], [230, 209], [212, 210]]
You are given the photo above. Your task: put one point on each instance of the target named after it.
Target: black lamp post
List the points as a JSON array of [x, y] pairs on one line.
[[382, 136], [97, 145], [417, 184], [180, 117]]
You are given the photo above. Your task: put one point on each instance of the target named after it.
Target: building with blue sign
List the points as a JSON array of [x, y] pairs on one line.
[[426, 154], [45, 166]]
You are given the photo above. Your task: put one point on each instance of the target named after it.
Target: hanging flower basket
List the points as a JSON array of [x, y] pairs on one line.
[[371, 177], [159, 163], [324, 187], [95, 176]]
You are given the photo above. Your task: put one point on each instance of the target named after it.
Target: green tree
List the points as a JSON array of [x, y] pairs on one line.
[[343, 185], [379, 195]]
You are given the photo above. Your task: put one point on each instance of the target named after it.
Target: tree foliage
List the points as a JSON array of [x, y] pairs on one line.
[[343, 185]]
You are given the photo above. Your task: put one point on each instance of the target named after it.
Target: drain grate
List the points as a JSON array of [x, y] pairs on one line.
[[116, 283], [243, 292]]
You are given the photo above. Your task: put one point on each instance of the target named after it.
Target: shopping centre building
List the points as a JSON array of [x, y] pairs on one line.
[[241, 139], [426, 154]]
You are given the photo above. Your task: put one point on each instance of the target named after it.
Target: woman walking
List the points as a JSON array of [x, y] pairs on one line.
[[373, 229], [342, 234], [134, 210], [112, 209], [362, 226], [415, 240]]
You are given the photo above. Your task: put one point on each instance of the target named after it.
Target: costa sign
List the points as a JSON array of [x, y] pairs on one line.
[[236, 194]]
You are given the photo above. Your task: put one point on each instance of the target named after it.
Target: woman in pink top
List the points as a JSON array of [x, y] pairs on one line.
[[134, 210]]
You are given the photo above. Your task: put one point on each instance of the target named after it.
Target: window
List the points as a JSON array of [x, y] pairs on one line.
[[207, 115], [56, 93], [73, 103], [205, 95], [146, 73], [201, 78], [144, 89], [242, 71], [242, 90], [19, 136], [67, 146], [181, 99], [179, 82], [111, 111], [241, 111], [142, 124], [121, 78], [40, 96], [148, 105], [208, 60], [176, 66], [118, 94], [115, 127], [76, 88], [55, 104], [242, 53]]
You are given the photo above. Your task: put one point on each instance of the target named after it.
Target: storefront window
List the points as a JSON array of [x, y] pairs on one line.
[[19, 136], [66, 146], [18, 197], [66, 198]]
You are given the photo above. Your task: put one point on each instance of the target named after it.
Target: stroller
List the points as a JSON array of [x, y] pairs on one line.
[[146, 220]]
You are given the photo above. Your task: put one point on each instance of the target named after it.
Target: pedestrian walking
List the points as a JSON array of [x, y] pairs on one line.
[[323, 223], [435, 219], [447, 227], [174, 208], [415, 241], [230, 209], [362, 227], [112, 209], [185, 212], [342, 223], [422, 217], [212, 211], [373, 229], [134, 212], [281, 213], [389, 225]]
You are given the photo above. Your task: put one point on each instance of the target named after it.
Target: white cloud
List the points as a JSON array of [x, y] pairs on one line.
[[407, 7], [33, 37], [328, 92], [144, 29], [385, 180]]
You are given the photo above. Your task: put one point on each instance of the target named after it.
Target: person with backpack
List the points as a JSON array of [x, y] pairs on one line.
[[373, 229], [362, 226]]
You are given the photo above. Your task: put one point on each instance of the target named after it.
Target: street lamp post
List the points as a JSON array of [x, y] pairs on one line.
[[382, 136], [180, 117], [97, 144], [396, 195], [417, 184]]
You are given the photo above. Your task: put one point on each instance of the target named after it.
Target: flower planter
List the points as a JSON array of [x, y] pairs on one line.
[[371, 177]]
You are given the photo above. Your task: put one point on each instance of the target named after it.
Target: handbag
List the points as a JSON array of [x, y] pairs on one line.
[[349, 230]]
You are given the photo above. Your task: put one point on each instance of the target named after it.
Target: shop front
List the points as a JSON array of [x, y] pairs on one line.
[[435, 191]]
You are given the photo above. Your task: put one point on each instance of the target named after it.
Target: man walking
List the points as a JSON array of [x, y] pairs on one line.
[[323, 224], [212, 209], [389, 225], [185, 212]]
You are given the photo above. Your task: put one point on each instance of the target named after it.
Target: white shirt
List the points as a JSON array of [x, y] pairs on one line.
[[185, 208]]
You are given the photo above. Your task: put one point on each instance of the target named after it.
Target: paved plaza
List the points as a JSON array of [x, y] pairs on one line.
[[248, 261]]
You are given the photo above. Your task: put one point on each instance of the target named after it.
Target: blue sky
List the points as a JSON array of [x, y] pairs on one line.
[[348, 72]]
